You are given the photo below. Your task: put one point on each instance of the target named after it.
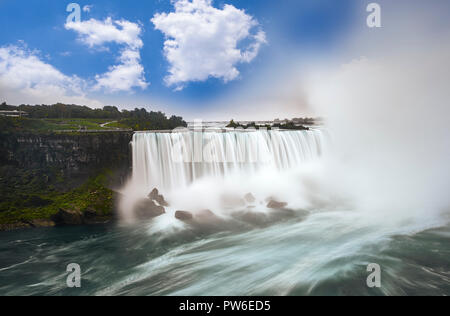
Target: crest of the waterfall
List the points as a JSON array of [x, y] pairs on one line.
[[170, 161]]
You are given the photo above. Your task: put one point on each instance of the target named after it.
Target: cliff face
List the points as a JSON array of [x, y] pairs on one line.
[[72, 155]]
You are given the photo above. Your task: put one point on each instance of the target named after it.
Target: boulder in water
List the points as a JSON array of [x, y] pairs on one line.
[[249, 198], [154, 195], [273, 204], [183, 216], [146, 208]]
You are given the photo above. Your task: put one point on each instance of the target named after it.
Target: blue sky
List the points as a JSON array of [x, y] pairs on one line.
[[37, 29]]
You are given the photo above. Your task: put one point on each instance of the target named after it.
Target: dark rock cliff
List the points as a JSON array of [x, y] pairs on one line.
[[74, 156]]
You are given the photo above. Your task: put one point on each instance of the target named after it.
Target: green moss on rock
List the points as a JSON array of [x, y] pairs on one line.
[[93, 197]]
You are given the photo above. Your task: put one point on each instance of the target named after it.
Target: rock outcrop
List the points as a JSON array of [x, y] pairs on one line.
[[147, 209], [72, 217], [91, 217], [68, 217], [273, 204], [183, 216], [155, 196], [39, 223]]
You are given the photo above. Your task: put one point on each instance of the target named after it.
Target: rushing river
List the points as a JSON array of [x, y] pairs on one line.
[[320, 255]]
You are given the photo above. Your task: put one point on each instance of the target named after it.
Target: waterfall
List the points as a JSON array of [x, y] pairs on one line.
[[174, 160]]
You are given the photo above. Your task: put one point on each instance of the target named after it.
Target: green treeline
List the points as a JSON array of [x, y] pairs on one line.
[[137, 119]]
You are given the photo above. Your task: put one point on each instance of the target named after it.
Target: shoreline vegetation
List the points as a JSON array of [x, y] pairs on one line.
[[89, 203]]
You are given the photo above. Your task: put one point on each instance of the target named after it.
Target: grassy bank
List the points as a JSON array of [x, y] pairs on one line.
[[29, 199], [17, 124]]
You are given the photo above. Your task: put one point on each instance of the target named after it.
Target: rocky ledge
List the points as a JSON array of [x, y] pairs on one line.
[[70, 217], [183, 216], [150, 207]]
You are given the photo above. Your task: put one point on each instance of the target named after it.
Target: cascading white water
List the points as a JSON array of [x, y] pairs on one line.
[[174, 160]]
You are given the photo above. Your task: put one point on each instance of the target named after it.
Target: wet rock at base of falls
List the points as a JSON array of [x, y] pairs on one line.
[[183, 216], [68, 217], [273, 204], [154, 195], [250, 198], [146, 209]]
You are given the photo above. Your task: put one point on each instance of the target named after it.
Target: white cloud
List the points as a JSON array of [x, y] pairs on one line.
[[96, 33], [88, 8], [25, 78], [129, 73], [125, 76], [203, 41]]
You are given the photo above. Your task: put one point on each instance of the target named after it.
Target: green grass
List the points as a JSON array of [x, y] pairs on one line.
[[93, 195], [118, 125], [53, 125], [76, 124], [50, 125]]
